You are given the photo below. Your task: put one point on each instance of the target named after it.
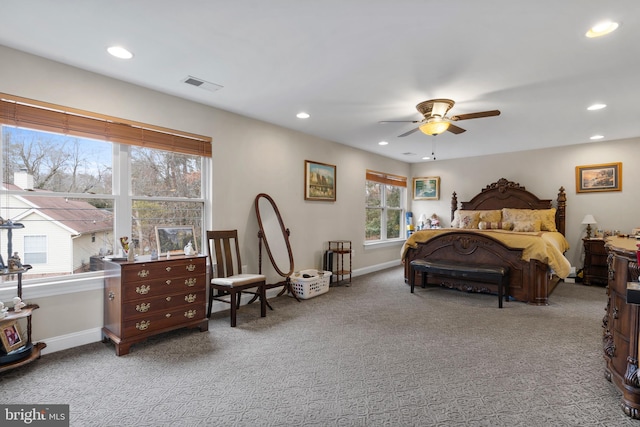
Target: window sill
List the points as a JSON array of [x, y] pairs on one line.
[[40, 288], [383, 243]]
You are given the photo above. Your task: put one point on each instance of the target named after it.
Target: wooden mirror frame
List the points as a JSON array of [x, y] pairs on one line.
[[268, 232]]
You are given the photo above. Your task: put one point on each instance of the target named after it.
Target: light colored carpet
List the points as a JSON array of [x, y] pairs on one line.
[[371, 354]]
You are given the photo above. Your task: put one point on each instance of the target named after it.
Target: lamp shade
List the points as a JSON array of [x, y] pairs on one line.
[[434, 126], [589, 219]]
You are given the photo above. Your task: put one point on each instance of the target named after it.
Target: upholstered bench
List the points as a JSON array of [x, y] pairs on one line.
[[479, 273]]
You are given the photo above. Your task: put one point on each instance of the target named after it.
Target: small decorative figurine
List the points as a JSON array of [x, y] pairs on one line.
[[18, 304], [154, 254], [3, 310], [435, 222], [14, 262], [188, 250]]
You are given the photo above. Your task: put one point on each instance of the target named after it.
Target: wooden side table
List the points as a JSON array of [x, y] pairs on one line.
[[595, 261]]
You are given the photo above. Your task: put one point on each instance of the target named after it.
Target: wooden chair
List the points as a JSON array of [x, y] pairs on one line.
[[225, 268]]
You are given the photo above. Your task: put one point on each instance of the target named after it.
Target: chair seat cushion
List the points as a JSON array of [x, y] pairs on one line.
[[239, 280]]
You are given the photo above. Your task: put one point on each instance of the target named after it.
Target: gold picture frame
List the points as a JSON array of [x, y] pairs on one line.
[[11, 336], [598, 178], [319, 181], [426, 188]]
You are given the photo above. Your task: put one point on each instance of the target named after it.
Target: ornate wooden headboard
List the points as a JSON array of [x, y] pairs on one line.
[[508, 194]]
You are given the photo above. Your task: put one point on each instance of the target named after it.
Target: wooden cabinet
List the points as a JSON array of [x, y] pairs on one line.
[[595, 262], [146, 298], [621, 333], [29, 351]]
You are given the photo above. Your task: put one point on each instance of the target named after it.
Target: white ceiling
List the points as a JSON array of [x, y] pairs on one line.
[[353, 63]]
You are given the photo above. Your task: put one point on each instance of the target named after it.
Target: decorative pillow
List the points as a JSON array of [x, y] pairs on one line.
[[494, 215], [469, 219], [547, 217], [527, 226], [487, 225], [483, 215]]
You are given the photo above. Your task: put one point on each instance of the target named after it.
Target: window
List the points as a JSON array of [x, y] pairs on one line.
[[35, 249], [385, 201], [78, 182]]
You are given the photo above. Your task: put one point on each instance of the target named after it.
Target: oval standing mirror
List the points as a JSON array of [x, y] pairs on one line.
[[274, 235]]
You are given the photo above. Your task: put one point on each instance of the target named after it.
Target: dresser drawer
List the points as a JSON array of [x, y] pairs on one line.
[[145, 306], [161, 320], [169, 286], [166, 270]]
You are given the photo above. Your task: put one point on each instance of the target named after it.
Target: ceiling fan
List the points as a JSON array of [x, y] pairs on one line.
[[435, 119]]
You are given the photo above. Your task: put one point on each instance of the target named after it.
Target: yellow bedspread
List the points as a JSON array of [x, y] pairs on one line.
[[545, 246]]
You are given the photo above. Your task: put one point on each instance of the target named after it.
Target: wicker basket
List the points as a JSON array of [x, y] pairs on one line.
[[310, 287]]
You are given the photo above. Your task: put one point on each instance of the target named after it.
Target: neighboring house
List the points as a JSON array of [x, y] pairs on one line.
[[59, 236]]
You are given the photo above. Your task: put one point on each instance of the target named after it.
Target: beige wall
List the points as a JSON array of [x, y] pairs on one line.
[[251, 157]]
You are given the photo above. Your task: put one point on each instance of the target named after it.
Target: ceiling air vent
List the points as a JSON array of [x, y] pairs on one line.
[[202, 84]]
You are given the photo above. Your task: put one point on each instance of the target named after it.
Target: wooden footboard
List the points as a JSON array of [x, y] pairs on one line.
[[528, 281]]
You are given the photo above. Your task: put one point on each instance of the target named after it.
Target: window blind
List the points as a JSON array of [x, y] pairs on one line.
[[386, 178], [22, 112]]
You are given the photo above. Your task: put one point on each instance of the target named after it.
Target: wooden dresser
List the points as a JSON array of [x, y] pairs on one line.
[[621, 333], [595, 261], [146, 298]]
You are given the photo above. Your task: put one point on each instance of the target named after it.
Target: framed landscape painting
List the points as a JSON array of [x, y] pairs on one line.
[[427, 188], [319, 181], [595, 178], [173, 238]]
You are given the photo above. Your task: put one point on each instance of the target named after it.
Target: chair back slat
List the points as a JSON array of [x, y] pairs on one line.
[[224, 253]]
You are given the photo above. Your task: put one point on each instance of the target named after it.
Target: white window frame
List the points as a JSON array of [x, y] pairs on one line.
[[384, 240]]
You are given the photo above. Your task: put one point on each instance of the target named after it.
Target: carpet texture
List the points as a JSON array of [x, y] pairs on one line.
[[371, 354]]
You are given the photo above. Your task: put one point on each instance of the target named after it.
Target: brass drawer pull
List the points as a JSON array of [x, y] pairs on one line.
[[143, 273], [168, 281], [144, 307], [168, 298], [168, 269], [191, 267], [141, 326], [190, 297], [191, 281], [167, 315], [190, 314], [143, 290]]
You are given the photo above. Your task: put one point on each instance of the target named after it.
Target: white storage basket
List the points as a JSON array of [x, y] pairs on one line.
[[309, 287]]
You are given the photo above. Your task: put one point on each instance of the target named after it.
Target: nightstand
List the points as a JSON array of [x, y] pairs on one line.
[[595, 261]]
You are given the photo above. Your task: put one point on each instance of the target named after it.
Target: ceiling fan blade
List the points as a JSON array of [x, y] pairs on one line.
[[478, 115], [455, 129], [408, 133], [398, 121]]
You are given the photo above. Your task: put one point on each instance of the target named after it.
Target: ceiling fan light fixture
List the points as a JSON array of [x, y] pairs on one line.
[[434, 126]]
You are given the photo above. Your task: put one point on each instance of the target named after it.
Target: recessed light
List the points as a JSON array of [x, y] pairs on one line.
[[120, 52], [303, 115], [383, 143], [596, 107], [597, 137], [602, 28], [426, 158]]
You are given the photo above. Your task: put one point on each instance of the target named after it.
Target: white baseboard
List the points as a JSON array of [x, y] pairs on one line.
[[75, 339], [88, 336]]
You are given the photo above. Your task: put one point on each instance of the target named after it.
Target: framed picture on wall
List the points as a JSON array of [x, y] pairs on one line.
[[596, 178], [319, 181], [426, 188]]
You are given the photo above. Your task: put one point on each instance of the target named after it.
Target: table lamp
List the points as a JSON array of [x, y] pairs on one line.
[[589, 219]]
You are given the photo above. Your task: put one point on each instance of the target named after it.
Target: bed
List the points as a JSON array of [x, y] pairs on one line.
[[503, 225]]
